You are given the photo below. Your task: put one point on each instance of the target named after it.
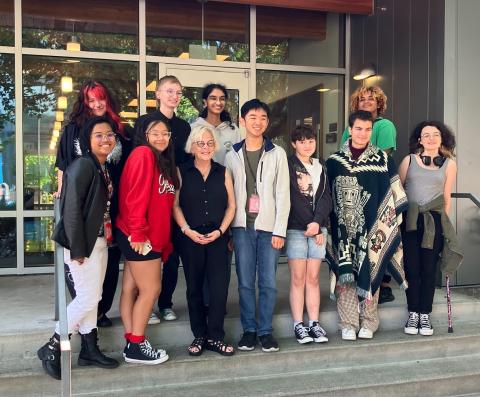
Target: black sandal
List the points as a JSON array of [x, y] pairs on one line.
[[219, 347], [198, 343]]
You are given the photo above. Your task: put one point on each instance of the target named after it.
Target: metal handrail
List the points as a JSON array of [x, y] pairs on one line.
[[61, 311], [470, 196]]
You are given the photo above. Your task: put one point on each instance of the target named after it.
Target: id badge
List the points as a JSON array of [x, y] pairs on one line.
[[107, 231], [254, 204]]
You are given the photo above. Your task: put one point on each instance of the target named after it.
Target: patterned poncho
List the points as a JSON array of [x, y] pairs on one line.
[[368, 201]]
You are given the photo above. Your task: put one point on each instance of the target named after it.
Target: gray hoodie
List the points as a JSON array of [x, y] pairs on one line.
[[225, 135]]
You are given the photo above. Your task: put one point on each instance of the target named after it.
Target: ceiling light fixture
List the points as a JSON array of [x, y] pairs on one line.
[[368, 70], [62, 102], [66, 83]]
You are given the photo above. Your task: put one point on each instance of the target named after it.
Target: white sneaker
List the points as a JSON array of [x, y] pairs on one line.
[[348, 334], [365, 333], [154, 319], [168, 314]]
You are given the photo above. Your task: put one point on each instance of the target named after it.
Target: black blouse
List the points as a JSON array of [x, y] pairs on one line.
[[203, 202]]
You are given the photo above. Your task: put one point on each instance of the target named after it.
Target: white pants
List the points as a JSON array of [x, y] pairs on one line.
[[88, 278]]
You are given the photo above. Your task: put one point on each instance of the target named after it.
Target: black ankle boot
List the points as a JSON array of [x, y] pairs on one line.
[[49, 353], [90, 354]]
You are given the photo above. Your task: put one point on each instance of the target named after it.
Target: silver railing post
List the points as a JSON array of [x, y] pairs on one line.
[[61, 310]]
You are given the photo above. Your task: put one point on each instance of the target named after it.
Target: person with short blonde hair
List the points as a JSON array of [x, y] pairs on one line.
[[196, 135], [204, 208]]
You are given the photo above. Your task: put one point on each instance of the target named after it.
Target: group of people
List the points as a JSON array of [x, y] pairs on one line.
[[119, 189]]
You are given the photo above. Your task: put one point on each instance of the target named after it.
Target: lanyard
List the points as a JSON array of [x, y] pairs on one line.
[[253, 174]]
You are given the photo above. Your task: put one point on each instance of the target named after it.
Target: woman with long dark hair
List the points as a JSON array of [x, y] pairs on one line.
[[95, 100], [147, 193], [216, 117], [84, 232], [428, 174]]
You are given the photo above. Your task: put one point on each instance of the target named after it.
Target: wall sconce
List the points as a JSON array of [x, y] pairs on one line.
[[62, 102], [52, 146], [54, 139], [66, 84], [367, 70], [56, 133], [57, 125], [59, 115]]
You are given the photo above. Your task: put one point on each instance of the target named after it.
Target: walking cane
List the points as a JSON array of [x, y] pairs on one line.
[[449, 305]]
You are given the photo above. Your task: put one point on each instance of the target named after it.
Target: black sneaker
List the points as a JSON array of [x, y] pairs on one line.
[[426, 328], [103, 321], [269, 344], [317, 333], [49, 354], [411, 326], [144, 353], [248, 341], [386, 295], [301, 333]]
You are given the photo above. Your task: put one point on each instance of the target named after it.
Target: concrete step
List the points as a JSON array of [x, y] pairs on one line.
[[23, 345], [390, 358]]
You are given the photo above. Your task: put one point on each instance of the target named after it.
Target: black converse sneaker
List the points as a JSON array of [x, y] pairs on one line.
[[411, 326], [317, 333], [301, 333], [144, 353], [426, 328]]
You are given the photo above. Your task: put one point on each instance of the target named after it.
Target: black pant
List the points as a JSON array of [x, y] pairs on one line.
[[421, 265], [109, 283], [169, 281], [111, 280], [210, 262]]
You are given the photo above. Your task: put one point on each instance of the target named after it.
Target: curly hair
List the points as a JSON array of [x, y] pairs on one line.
[[448, 139], [375, 91]]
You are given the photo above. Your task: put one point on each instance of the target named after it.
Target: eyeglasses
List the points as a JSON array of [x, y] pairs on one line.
[[158, 135], [104, 137], [202, 144], [435, 135], [171, 92]]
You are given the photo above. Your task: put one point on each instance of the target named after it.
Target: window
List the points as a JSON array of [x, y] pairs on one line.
[[7, 133], [82, 25], [44, 119], [303, 98], [174, 29], [7, 33], [300, 37]]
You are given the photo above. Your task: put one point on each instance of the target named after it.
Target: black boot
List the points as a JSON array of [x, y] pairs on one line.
[[49, 353], [90, 354]]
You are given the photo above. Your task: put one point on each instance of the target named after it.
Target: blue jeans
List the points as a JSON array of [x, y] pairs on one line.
[[254, 253]]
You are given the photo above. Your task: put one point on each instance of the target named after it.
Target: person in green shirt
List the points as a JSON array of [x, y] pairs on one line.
[[384, 136], [373, 100]]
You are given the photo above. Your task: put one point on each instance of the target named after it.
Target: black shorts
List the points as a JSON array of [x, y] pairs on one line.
[[130, 255]]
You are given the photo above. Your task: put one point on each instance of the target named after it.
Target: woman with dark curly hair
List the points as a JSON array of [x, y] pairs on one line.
[[83, 232], [428, 174]]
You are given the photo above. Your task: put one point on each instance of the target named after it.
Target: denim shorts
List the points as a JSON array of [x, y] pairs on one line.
[[301, 247]]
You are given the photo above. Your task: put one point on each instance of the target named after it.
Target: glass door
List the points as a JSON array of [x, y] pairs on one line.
[[194, 78]]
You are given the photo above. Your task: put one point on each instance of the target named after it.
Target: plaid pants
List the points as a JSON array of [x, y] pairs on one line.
[[354, 314]]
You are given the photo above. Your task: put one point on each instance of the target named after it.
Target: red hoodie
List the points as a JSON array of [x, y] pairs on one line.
[[145, 202]]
